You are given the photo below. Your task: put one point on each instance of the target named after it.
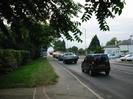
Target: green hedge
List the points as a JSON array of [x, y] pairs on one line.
[[11, 59]]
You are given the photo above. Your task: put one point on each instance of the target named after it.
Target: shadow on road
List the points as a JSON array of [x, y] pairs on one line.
[[100, 75]]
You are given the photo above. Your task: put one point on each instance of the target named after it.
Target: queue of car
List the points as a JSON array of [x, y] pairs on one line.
[[68, 57], [92, 63]]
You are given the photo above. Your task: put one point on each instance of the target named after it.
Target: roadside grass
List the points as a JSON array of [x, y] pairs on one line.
[[39, 72]]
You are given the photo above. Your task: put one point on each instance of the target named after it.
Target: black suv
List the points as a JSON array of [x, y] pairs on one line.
[[96, 63]]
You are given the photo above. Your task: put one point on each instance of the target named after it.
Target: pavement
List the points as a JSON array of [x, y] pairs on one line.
[[67, 87]]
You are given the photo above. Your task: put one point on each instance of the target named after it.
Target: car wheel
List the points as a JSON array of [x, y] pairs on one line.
[[91, 73], [75, 62], [107, 73], [83, 70], [64, 62]]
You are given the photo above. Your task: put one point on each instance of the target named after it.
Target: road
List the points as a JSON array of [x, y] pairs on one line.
[[118, 85]]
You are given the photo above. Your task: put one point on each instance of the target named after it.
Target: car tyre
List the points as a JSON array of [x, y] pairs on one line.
[[91, 73], [83, 70], [75, 62], [64, 61], [106, 73]]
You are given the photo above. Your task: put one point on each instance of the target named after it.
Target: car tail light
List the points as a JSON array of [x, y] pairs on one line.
[[107, 61], [92, 62]]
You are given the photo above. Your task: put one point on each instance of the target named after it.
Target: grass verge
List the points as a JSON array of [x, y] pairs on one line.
[[39, 72]]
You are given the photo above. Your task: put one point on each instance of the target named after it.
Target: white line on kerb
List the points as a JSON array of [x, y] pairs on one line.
[[34, 93], [97, 95], [44, 91]]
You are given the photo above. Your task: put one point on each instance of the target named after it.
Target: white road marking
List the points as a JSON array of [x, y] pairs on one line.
[[97, 95], [34, 93], [46, 95]]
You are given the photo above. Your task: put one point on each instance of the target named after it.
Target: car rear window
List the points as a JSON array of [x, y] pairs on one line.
[[89, 58], [101, 58]]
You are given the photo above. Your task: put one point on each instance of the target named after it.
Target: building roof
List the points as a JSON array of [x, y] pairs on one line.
[[112, 46], [126, 42]]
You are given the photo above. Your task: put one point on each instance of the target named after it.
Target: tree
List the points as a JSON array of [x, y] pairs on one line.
[[39, 37], [32, 38], [113, 41], [59, 45], [58, 13], [102, 9], [22, 21], [95, 46], [73, 49], [81, 51]]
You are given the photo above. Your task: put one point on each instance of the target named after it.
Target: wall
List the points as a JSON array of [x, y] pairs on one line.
[[128, 48], [112, 51]]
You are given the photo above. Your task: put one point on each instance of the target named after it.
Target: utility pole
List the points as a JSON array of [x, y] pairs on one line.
[[131, 43], [131, 38], [85, 41]]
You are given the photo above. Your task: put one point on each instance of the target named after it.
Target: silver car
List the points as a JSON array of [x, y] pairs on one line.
[[124, 58], [70, 57], [130, 58]]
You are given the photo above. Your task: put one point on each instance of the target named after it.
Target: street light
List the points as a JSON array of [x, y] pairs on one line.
[[131, 43], [85, 41], [131, 38]]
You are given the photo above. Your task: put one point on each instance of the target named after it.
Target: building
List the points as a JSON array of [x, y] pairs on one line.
[[126, 47], [123, 48], [112, 50]]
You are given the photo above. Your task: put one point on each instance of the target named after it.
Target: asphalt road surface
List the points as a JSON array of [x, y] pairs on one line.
[[118, 85]]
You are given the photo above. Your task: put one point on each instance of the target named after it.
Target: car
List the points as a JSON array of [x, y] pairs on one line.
[[112, 56], [43, 52], [60, 57], [56, 54], [124, 58], [70, 57], [130, 58], [94, 63]]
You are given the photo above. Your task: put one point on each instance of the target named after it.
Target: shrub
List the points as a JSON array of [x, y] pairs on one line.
[[10, 59]]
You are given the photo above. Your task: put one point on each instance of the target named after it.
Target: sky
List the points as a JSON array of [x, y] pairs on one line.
[[121, 27]]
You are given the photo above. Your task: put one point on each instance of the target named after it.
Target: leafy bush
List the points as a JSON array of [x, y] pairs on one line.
[[11, 59]]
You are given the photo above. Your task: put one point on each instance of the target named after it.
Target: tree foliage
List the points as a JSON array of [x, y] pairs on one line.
[[29, 24], [59, 45], [102, 9], [31, 37], [113, 41], [57, 13], [81, 51], [95, 46], [73, 49]]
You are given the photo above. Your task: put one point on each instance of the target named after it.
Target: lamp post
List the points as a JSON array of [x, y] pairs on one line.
[[131, 43], [85, 41], [131, 38]]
